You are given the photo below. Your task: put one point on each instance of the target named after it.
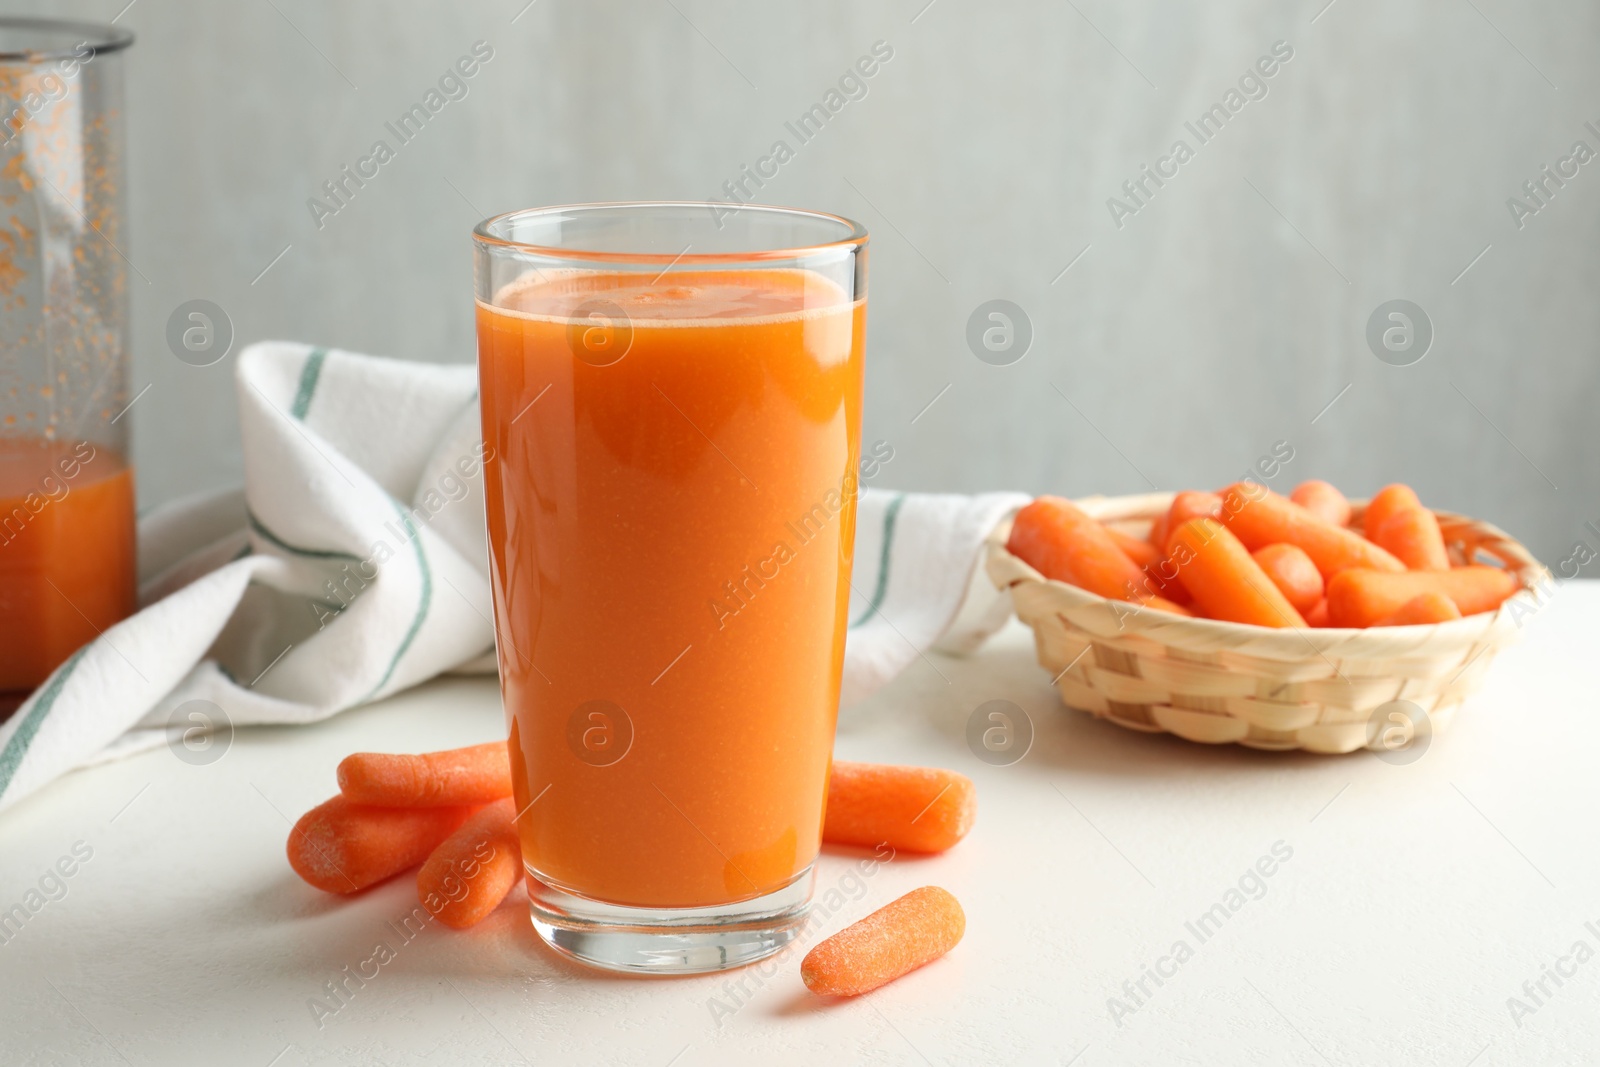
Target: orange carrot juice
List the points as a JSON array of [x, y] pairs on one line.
[[67, 566], [671, 517]]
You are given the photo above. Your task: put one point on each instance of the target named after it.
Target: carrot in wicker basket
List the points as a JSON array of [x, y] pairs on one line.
[[1260, 517], [1322, 500], [1412, 536], [1141, 552], [1386, 502], [477, 774], [1190, 504], [1163, 575], [1159, 528], [1317, 617], [1292, 571], [1055, 538], [1225, 582], [913, 809], [1423, 610], [894, 940], [1362, 598]]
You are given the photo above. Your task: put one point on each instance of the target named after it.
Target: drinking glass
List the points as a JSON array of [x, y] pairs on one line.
[[67, 567], [671, 393]]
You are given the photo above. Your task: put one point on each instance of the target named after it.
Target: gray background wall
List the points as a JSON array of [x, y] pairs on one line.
[[1224, 316]]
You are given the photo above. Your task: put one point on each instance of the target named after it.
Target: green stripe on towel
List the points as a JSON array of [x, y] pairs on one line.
[[310, 553], [17, 747], [890, 514], [308, 383], [423, 601]]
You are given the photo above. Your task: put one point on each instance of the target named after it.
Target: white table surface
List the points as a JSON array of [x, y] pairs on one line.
[[1417, 900]]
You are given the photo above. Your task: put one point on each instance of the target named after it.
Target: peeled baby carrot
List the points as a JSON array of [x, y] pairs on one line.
[[1322, 500], [1191, 504], [914, 809], [1422, 610], [343, 847], [1225, 582], [1161, 603], [894, 940], [1384, 503], [477, 774], [1141, 552], [1361, 598], [1059, 541], [1163, 575], [467, 876], [1412, 536], [1317, 617], [1292, 571], [1159, 528], [1260, 517]]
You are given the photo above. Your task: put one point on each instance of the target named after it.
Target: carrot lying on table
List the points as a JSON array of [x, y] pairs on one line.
[[1422, 610], [1260, 517], [914, 809], [1224, 581], [1386, 502], [1412, 536], [894, 940], [1322, 500], [1292, 571], [477, 774], [470, 873], [343, 847], [1362, 598], [1055, 538]]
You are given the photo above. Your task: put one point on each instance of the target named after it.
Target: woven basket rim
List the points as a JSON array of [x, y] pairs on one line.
[[1126, 619]]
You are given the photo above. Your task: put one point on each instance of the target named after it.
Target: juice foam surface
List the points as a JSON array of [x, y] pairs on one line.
[[683, 298]]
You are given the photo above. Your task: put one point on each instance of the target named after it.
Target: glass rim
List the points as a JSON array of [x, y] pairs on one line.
[[104, 38], [855, 236]]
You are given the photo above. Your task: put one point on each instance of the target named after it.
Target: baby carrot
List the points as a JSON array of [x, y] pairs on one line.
[[468, 875], [1260, 517], [1161, 603], [1141, 552], [343, 847], [1361, 598], [1412, 536], [1317, 617], [914, 809], [1159, 528], [1190, 504], [1163, 575], [1323, 501], [1059, 541], [894, 940], [1385, 502], [473, 775], [1225, 582], [1422, 610], [1292, 571]]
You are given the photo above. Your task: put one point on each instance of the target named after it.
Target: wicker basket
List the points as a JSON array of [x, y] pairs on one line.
[[1220, 682]]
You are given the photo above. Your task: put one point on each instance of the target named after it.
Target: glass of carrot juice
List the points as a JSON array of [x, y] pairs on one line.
[[672, 394], [67, 555]]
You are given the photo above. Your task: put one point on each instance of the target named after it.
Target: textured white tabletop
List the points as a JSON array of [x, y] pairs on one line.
[[1415, 901]]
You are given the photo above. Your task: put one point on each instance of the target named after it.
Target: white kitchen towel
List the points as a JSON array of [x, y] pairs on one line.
[[352, 565]]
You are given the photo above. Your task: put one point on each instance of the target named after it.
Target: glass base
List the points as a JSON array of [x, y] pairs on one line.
[[668, 940]]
